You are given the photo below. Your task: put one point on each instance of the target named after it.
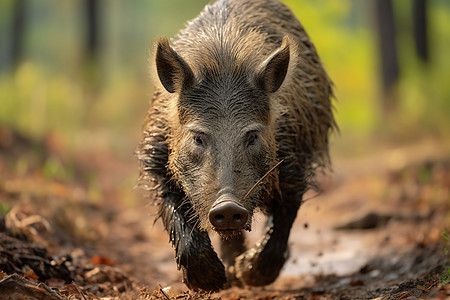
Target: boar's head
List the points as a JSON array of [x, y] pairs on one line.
[[222, 133]]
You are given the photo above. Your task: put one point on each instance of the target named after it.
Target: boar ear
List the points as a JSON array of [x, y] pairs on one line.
[[173, 72], [272, 71]]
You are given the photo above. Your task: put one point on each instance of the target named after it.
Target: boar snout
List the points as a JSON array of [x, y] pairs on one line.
[[227, 214]]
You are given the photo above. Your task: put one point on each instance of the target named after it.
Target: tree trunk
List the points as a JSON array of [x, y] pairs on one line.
[[420, 29], [17, 33], [92, 36], [388, 49]]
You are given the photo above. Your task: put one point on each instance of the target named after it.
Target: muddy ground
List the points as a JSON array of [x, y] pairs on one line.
[[376, 230]]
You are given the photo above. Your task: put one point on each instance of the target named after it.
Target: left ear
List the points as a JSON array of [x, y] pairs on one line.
[[272, 72], [174, 73]]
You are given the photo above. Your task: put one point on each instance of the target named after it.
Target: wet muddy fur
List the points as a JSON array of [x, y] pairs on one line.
[[240, 64]]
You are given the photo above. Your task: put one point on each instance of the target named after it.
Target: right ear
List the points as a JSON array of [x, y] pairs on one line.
[[273, 70], [174, 73]]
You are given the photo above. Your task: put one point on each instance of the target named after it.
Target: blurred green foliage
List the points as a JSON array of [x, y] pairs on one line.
[[4, 209], [344, 34], [55, 91]]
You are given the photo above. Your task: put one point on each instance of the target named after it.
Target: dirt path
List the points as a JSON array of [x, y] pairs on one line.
[[373, 233], [368, 232]]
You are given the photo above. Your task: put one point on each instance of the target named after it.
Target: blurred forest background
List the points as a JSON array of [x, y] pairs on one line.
[[74, 90], [73, 74]]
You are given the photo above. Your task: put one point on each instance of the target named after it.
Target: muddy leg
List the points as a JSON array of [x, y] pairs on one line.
[[195, 256], [229, 250], [262, 264]]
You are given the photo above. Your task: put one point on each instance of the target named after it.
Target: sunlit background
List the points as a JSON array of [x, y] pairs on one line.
[[75, 87], [80, 84]]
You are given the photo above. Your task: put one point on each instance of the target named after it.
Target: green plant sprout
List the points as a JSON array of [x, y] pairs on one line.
[[445, 278]]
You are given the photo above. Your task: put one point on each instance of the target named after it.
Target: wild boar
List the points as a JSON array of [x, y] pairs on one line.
[[240, 90]]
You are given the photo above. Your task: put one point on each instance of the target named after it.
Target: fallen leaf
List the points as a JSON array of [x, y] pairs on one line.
[[55, 283], [31, 275], [102, 260]]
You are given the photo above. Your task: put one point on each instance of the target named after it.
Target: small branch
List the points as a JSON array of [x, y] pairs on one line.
[[78, 290], [164, 293], [262, 178]]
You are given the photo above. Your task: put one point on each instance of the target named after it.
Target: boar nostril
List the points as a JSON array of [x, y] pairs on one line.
[[219, 218], [237, 218], [228, 215]]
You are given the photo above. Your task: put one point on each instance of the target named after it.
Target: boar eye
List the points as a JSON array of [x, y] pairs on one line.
[[251, 138], [198, 140]]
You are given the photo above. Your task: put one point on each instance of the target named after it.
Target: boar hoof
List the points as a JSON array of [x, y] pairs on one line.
[[208, 276], [259, 268], [232, 280]]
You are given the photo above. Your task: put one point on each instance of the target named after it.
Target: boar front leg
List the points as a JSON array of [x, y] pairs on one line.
[[261, 265], [201, 267], [230, 248]]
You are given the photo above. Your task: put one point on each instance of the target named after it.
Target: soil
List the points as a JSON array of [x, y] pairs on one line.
[[376, 230]]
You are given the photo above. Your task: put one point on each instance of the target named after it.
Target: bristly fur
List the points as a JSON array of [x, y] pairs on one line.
[[240, 89], [237, 31]]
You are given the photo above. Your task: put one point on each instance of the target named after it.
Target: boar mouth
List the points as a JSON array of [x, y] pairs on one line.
[[231, 233]]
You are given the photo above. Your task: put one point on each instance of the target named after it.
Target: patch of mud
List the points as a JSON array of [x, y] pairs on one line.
[[374, 233]]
